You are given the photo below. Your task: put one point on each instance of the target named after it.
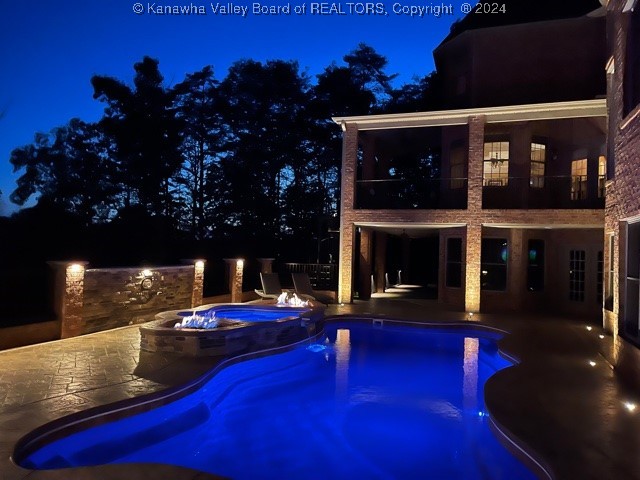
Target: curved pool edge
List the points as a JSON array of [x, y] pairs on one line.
[[124, 408], [113, 411], [515, 445]]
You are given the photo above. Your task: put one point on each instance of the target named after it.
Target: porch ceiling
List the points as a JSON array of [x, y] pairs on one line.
[[543, 226], [412, 230], [512, 113]]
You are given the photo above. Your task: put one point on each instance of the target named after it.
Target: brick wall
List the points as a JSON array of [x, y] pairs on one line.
[[623, 190]]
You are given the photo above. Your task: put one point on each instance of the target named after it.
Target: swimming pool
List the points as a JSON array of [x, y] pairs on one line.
[[365, 402]]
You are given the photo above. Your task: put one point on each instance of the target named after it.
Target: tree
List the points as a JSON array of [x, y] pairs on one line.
[[199, 180], [368, 69], [146, 135], [264, 109], [423, 95], [62, 168]]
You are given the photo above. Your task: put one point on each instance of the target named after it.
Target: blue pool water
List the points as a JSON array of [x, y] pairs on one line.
[[250, 314], [365, 403]]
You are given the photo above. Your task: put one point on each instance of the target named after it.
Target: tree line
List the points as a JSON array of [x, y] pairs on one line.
[[254, 153]]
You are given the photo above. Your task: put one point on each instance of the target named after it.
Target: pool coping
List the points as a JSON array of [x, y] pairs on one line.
[[559, 407], [110, 412]]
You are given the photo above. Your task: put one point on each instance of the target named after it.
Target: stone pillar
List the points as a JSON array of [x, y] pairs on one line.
[[476, 157], [347, 203], [266, 265], [236, 267], [472, 269], [381, 261], [69, 296], [365, 264], [198, 283]]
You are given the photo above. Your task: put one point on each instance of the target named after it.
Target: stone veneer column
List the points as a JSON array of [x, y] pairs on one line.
[[364, 288], [198, 283], [69, 296], [236, 267], [474, 205], [266, 265], [347, 203], [381, 261]]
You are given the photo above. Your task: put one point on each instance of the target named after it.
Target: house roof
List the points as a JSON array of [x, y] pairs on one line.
[[511, 113], [519, 11]]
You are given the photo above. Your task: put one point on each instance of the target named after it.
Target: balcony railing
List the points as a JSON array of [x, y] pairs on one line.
[[394, 194], [562, 192], [539, 192]]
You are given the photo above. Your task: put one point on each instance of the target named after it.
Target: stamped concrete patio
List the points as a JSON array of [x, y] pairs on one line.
[[564, 400]]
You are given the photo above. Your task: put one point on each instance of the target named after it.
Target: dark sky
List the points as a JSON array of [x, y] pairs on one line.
[[50, 49]]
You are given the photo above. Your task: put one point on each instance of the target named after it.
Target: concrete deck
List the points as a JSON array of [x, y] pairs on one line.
[[570, 413]]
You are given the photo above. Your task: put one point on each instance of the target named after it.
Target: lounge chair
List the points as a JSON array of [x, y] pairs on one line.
[[271, 287], [304, 290]]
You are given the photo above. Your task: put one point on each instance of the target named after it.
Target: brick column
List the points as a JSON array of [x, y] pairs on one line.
[[69, 296], [472, 268], [365, 264], [198, 283], [347, 202], [476, 157], [266, 265], [381, 261], [235, 266], [473, 243]]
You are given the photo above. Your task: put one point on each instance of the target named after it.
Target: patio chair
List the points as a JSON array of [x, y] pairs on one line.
[[303, 288], [271, 287]]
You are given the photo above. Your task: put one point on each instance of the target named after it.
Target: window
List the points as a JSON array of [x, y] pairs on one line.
[[496, 164], [632, 63], [493, 270], [602, 175], [538, 158], [457, 161], [577, 263], [454, 263], [579, 179], [535, 267], [599, 279]]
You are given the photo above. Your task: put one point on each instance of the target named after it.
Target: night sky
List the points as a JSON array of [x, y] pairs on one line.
[[50, 50]]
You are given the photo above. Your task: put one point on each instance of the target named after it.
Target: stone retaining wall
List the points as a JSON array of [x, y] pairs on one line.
[[92, 300]]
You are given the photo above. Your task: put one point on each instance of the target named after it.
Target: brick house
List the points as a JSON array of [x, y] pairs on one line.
[[622, 210], [518, 188]]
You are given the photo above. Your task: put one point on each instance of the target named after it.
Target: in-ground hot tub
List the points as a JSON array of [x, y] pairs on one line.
[[239, 328]]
